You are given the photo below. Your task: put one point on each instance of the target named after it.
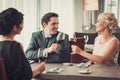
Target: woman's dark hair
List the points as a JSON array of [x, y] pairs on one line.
[[47, 16], [8, 19]]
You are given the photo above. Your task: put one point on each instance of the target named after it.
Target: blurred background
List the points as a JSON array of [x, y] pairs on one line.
[[72, 15]]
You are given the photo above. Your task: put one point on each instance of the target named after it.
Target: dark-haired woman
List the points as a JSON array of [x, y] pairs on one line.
[[11, 51]]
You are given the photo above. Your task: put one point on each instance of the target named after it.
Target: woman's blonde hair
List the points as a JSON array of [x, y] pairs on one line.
[[109, 18]]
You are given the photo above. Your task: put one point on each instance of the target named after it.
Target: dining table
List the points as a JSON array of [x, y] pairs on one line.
[[72, 71]]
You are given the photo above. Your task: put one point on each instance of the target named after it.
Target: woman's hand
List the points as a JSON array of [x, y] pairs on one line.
[[39, 69], [76, 49]]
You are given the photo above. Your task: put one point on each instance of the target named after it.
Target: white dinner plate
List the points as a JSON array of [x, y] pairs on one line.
[[68, 64], [85, 71]]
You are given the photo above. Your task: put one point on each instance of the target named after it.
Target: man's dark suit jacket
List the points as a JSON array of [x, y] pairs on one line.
[[38, 41]]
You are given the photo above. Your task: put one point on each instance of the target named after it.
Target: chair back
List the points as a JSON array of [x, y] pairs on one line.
[[118, 58], [2, 70], [117, 35], [91, 36], [76, 58]]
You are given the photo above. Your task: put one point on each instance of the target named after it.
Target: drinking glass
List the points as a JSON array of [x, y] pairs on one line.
[[60, 38], [42, 58], [86, 38], [72, 41]]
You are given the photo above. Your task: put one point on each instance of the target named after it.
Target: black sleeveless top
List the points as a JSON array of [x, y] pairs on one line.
[[16, 64]]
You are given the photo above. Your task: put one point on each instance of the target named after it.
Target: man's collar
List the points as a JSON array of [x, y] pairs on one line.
[[46, 35], [51, 35]]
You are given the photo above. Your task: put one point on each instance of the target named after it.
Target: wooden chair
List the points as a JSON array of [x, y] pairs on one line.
[[91, 36], [76, 58], [118, 58], [117, 35], [2, 70]]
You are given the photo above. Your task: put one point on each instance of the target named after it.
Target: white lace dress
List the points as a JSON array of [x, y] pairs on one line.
[[99, 49]]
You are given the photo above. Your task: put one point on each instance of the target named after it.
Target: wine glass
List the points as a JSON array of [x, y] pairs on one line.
[[60, 38], [86, 38], [43, 57], [72, 41]]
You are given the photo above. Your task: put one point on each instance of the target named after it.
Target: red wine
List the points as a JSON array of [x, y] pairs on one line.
[[72, 42], [42, 58], [60, 41]]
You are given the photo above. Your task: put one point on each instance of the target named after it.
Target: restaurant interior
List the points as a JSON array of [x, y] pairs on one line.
[[77, 18]]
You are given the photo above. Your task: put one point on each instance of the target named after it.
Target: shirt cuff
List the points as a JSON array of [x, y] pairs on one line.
[[45, 52], [38, 54]]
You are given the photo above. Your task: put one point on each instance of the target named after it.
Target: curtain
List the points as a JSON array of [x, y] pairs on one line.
[[100, 10], [29, 9]]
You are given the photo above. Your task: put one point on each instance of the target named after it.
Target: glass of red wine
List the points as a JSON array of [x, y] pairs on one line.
[[42, 58], [72, 41], [59, 41], [60, 38]]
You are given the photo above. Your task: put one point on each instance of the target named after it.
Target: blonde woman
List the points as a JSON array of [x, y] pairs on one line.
[[106, 45]]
